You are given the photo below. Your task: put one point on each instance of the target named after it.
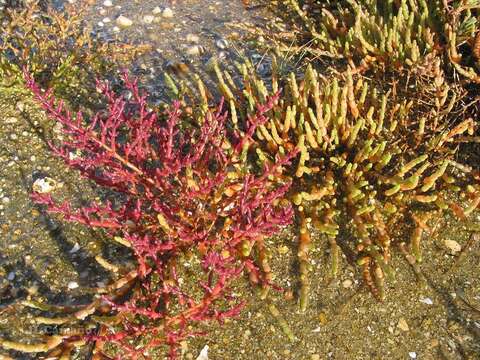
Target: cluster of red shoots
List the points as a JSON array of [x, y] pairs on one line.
[[183, 189]]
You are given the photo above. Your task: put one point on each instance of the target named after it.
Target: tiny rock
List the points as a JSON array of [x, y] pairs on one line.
[[107, 3], [148, 19], [221, 43], [194, 50], [156, 10], [322, 318], [412, 354], [402, 325], [72, 285], [427, 301], [44, 185], [193, 38], [123, 21], [167, 13], [75, 248], [347, 283], [452, 246]]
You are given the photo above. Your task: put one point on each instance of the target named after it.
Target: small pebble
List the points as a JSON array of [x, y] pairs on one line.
[[20, 106], [11, 276], [203, 354], [13, 136], [403, 325], [75, 248], [72, 285], [107, 3], [412, 354], [427, 301], [148, 19], [322, 317], [193, 38], [116, 29], [44, 185], [347, 283], [123, 21], [315, 357], [194, 50], [5, 200], [452, 246], [167, 13], [221, 43], [106, 20], [156, 11]]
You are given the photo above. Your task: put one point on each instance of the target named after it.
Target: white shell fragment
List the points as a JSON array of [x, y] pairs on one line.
[[412, 354], [75, 248], [44, 185], [203, 354], [426, 300]]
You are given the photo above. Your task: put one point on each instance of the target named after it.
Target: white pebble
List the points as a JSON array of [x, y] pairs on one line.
[[194, 50], [100, 24], [5, 200], [106, 20], [453, 246], [116, 29], [72, 285], [75, 248], [222, 43], [107, 3], [193, 38], [347, 283], [123, 21], [167, 13], [426, 300], [148, 19], [412, 354], [203, 353], [156, 11], [44, 185]]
